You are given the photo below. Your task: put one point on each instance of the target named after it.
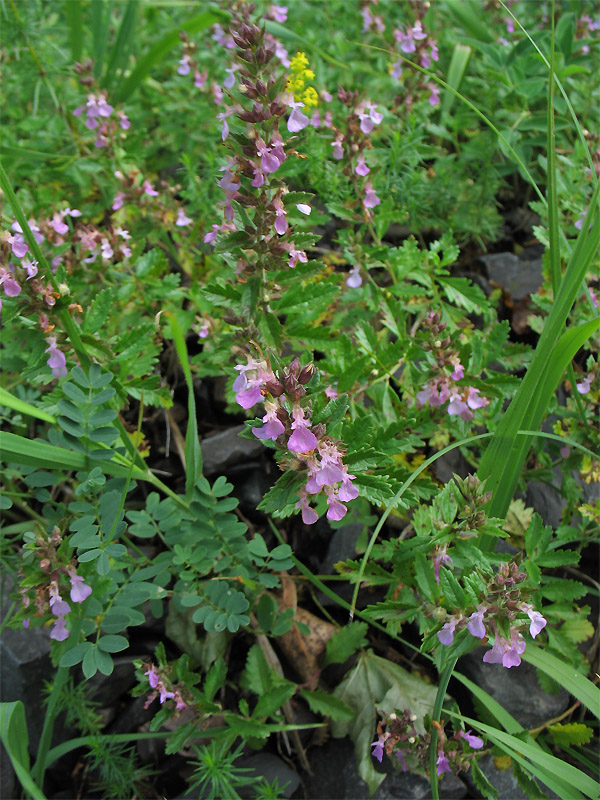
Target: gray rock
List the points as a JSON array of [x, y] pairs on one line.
[[226, 449], [504, 782], [336, 778], [547, 501], [9, 787], [341, 546], [270, 767], [519, 276], [516, 689], [25, 659], [450, 463]]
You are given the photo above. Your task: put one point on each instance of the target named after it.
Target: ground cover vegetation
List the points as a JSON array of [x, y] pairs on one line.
[[278, 218]]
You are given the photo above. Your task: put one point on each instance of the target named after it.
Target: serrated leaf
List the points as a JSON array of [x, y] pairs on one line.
[[345, 642], [518, 519], [572, 733], [271, 701], [328, 705]]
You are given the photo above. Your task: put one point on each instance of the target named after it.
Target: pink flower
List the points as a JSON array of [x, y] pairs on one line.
[[302, 440], [200, 79], [446, 635], [371, 200], [279, 13], [273, 426], [182, 220], [56, 361], [229, 81], [336, 510], [118, 201], [434, 97], [473, 741], [58, 606], [347, 490], [18, 245], [296, 255], [184, 66], [149, 189], [475, 625], [153, 676], [304, 208], [440, 558], [297, 120], [443, 764], [79, 589], [506, 652], [354, 279], [59, 632], [9, 284], [338, 150], [584, 386], [361, 168], [309, 515], [538, 622]]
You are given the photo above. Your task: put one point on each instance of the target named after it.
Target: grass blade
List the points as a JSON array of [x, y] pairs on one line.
[[564, 775], [193, 452], [553, 226], [74, 15], [21, 407], [468, 14], [456, 71], [575, 683], [123, 44], [99, 24], [14, 737], [158, 51]]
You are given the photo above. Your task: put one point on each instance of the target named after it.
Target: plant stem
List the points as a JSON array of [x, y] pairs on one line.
[[437, 713]]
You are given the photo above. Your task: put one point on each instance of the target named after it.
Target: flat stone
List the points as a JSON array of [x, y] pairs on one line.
[[519, 276], [270, 767], [516, 689], [336, 778], [226, 449]]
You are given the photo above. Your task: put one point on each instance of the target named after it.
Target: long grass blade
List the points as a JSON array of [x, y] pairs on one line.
[[123, 44], [100, 18], [553, 227], [572, 680], [456, 71], [193, 452], [21, 407], [157, 52], [74, 15], [563, 774], [468, 14]]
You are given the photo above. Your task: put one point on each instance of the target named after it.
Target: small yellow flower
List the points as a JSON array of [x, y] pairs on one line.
[[299, 62], [310, 97]]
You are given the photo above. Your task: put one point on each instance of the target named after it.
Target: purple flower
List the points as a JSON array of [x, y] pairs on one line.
[[200, 79], [184, 66], [182, 220], [354, 279], [538, 622], [475, 625], [302, 440], [149, 189], [59, 632], [309, 515], [9, 284], [371, 200], [336, 510], [153, 677], [377, 750], [446, 635], [584, 386], [297, 120], [56, 360], [18, 245], [473, 741], [79, 589], [347, 490], [443, 765], [279, 13], [304, 208], [361, 168], [338, 149], [249, 397], [58, 606], [506, 652], [118, 201], [328, 475], [440, 558], [273, 426]]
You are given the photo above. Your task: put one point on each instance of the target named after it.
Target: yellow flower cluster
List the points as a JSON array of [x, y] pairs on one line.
[[296, 83]]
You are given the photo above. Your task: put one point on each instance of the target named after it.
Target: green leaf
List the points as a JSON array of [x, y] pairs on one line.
[[75, 654], [215, 678], [272, 700], [113, 644], [328, 705], [15, 738], [572, 733], [376, 683], [345, 642]]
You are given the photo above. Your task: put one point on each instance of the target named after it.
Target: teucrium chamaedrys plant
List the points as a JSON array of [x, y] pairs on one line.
[[266, 257]]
